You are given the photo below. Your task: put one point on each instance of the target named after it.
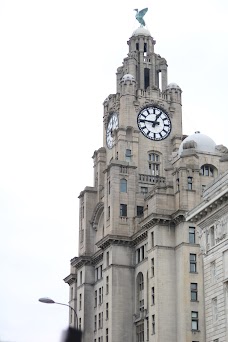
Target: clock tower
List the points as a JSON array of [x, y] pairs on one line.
[[138, 276]]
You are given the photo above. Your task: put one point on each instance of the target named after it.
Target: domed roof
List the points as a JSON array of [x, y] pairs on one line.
[[202, 143], [173, 86], [128, 77], [141, 31]]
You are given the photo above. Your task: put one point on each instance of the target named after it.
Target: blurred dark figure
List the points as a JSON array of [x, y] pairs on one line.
[[72, 335]]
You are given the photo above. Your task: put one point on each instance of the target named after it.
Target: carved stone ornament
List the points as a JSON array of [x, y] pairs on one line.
[[189, 144], [202, 240], [221, 228]]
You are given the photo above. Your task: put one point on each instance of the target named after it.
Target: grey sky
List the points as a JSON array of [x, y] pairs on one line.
[[58, 61]]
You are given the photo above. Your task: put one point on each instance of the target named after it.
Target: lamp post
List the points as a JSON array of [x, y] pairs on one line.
[[47, 300]]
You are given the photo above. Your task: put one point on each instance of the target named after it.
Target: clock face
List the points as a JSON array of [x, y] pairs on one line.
[[112, 125], [154, 123]]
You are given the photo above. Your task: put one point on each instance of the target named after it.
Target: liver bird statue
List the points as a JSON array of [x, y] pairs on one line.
[[140, 14]]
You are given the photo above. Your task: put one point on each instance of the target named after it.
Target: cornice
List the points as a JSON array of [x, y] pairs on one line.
[[70, 279], [78, 262]]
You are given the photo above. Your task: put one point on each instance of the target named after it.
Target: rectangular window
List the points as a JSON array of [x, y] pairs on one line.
[[71, 292], [80, 324], [193, 263], [99, 321], [190, 183], [123, 185], [95, 299], [108, 212], [195, 322], [194, 292], [107, 285], [212, 236], [140, 332], [152, 296], [128, 155], [144, 190], [138, 259], [152, 267], [192, 235], [153, 324], [95, 323], [152, 239], [109, 187], [99, 339], [107, 258], [215, 310], [96, 274], [106, 311], [147, 329], [178, 184], [154, 169], [141, 305], [142, 252], [213, 272], [100, 296], [81, 278], [123, 209], [139, 211], [106, 339], [80, 301]]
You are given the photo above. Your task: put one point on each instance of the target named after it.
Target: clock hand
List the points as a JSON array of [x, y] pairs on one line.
[[153, 122], [156, 120]]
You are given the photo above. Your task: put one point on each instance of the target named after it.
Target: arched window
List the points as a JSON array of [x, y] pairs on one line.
[[123, 185], [140, 292], [154, 163], [207, 170]]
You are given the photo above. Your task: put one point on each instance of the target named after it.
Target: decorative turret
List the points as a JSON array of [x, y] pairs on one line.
[[173, 92], [128, 85]]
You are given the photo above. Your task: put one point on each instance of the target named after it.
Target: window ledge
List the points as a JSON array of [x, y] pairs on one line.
[[194, 331]]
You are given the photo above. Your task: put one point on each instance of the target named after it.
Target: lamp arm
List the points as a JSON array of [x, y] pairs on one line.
[[75, 313]]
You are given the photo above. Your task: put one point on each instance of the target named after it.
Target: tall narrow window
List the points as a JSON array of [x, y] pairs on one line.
[[106, 311], [100, 296], [147, 329], [99, 321], [207, 170], [213, 272], [80, 277], [95, 323], [71, 292], [123, 185], [140, 291], [212, 236], [153, 324], [152, 267], [195, 322], [108, 212], [123, 210], [152, 296], [80, 301], [140, 332], [154, 164], [192, 235], [109, 187], [193, 263], [215, 310], [194, 292], [178, 184], [95, 299], [106, 339], [152, 239], [107, 285], [128, 155], [80, 324], [107, 258], [190, 183]]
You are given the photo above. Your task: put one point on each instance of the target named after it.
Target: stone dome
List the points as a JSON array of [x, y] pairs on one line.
[[128, 77], [173, 86], [141, 31], [199, 141]]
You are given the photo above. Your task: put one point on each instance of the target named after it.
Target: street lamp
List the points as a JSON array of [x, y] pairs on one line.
[[47, 300]]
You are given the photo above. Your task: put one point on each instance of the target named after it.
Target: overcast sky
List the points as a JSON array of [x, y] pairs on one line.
[[58, 60]]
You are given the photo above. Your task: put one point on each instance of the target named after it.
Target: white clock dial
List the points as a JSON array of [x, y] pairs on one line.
[[112, 125], [154, 123]]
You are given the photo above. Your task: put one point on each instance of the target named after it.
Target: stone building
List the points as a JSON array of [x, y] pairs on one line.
[[211, 215], [138, 276]]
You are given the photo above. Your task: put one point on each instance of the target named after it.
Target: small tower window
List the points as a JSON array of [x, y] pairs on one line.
[[207, 170], [137, 46], [146, 78], [123, 209], [190, 183], [123, 185], [145, 47], [128, 155], [154, 164]]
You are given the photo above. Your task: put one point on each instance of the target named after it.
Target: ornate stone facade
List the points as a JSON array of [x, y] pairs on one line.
[[211, 216], [139, 272]]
